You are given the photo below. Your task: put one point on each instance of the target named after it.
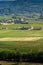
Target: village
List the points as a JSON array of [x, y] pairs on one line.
[[17, 20]]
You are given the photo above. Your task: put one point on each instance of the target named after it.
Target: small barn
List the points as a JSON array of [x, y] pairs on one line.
[[30, 28]]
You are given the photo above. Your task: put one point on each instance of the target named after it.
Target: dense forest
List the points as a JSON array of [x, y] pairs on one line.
[[21, 7], [11, 56]]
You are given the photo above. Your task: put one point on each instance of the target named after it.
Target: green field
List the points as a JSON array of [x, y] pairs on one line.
[[21, 33], [22, 47], [5, 17], [11, 32], [13, 26]]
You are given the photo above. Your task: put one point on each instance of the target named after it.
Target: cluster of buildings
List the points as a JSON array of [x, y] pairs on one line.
[[14, 21]]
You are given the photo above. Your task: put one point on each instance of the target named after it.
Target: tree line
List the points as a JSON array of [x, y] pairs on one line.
[[11, 56]]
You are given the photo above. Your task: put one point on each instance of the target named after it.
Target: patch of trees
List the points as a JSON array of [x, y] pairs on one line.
[[22, 28], [10, 56], [29, 28], [20, 22]]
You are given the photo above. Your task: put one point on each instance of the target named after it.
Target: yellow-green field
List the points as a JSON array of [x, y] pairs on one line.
[[21, 33], [18, 63], [22, 41]]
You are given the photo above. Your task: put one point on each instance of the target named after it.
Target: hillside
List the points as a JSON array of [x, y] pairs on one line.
[[22, 7]]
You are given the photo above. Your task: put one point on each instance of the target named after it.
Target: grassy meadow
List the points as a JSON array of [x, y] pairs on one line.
[[13, 26], [11, 32], [5, 17], [22, 47], [21, 33]]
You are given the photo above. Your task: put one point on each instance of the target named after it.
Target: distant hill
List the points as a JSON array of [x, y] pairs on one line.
[[22, 7]]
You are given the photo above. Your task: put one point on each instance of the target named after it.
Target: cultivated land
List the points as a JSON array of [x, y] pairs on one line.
[[22, 41], [18, 63], [21, 33], [22, 46], [19, 38]]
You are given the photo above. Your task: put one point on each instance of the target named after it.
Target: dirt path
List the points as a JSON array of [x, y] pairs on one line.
[[20, 39]]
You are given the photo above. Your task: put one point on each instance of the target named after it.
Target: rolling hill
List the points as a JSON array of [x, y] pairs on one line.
[[31, 7]]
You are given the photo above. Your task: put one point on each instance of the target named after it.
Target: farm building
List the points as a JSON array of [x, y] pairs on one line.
[[10, 21], [30, 28]]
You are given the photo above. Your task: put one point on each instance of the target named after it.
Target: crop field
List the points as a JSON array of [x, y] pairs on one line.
[[21, 33], [20, 38], [22, 46], [21, 41], [18, 63]]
